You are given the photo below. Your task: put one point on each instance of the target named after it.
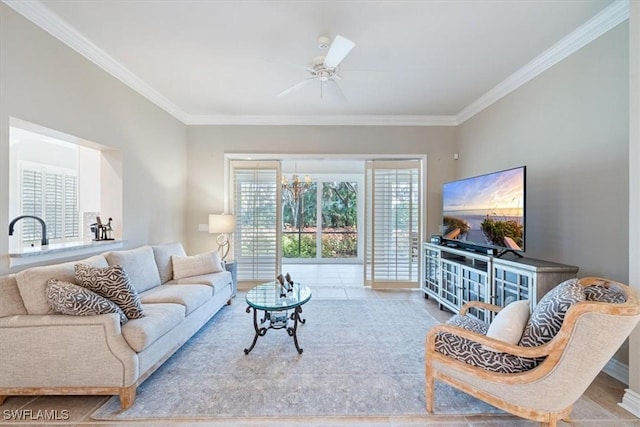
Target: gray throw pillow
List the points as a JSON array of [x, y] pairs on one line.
[[601, 293], [547, 317], [67, 298], [112, 283]]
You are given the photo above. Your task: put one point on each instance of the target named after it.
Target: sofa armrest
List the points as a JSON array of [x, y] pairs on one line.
[[57, 350]]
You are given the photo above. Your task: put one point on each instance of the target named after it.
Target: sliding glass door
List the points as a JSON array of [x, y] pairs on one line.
[[339, 212], [393, 200]]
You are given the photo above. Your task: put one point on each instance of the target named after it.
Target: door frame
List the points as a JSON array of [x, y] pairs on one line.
[[422, 158]]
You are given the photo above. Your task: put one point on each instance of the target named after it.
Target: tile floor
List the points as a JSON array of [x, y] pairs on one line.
[[342, 281]]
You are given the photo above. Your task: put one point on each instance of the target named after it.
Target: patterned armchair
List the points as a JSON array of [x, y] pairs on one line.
[[568, 338]]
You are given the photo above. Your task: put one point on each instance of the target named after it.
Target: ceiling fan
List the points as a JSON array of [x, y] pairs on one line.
[[325, 68]]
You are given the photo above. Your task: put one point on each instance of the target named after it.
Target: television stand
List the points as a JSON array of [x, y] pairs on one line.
[[453, 277], [506, 251]]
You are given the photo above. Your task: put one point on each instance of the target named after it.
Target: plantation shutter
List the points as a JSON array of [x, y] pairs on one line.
[[70, 207], [51, 194], [31, 204], [393, 223], [257, 207]]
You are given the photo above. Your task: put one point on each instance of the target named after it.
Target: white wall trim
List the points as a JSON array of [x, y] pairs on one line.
[[631, 402], [343, 120], [607, 19], [617, 370]]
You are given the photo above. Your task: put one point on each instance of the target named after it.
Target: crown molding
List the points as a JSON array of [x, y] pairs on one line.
[[610, 17], [40, 15], [334, 120]]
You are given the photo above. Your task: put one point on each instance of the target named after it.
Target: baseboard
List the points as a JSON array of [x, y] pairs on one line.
[[617, 370], [631, 402]]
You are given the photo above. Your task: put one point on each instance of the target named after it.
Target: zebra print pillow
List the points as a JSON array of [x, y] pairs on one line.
[[601, 293], [469, 323], [67, 298], [112, 283], [546, 319], [474, 354]]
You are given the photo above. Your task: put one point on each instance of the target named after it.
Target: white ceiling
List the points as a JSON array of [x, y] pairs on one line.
[[434, 62]]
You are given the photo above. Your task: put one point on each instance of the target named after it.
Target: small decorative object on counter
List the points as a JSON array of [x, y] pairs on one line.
[[101, 231], [283, 289], [289, 282]]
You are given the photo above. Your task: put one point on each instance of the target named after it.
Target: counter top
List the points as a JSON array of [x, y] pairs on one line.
[[62, 247]]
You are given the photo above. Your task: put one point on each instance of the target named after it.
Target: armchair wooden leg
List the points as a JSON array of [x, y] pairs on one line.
[[2, 399], [429, 389], [127, 396]]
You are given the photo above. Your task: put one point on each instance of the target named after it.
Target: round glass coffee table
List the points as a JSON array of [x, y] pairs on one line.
[[276, 302]]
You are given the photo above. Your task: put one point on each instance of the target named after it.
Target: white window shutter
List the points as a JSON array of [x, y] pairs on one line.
[[393, 223], [257, 207]]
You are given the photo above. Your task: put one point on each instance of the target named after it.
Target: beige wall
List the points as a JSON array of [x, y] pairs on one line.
[[207, 145], [634, 195], [570, 127], [45, 82]]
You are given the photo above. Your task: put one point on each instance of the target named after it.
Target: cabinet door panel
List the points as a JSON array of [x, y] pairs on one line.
[[449, 290], [509, 285], [431, 281], [474, 288]]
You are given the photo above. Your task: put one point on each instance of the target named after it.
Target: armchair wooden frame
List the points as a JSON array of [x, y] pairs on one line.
[[547, 392]]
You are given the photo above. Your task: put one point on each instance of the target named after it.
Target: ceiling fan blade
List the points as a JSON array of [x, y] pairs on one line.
[[288, 64], [296, 86], [336, 89], [331, 90], [339, 49]]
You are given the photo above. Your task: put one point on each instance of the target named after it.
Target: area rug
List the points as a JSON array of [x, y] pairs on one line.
[[360, 357]]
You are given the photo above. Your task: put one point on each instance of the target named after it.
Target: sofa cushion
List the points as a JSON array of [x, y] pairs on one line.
[[67, 298], [196, 265], [190, 296], [112, 283], [139, 264], [162, 255], [546, 319], [158, 320], [32, 282], [10, 299], [509, 323], [218, 281]]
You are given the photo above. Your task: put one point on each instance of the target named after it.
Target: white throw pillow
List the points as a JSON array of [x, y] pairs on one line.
[[196, 265], [509, 323]]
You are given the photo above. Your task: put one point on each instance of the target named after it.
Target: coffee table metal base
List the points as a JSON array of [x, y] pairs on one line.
[[276, 321]]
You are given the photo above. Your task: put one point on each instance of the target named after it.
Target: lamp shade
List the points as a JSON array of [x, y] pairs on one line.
[[222, 223]]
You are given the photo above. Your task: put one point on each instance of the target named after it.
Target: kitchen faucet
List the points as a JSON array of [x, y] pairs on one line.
[[45, 241]]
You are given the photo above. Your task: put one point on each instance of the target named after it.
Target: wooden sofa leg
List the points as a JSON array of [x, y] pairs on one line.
[[2, 399], [127, 396]]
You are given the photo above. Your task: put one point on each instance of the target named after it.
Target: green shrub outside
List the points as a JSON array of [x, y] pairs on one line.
[[497, 230]]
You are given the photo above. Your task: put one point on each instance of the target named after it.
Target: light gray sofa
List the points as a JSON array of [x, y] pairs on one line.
[[42, 352]]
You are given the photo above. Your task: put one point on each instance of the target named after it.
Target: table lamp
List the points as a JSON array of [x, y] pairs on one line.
[[222, 224]]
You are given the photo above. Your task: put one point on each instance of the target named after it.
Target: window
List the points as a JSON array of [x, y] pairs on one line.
[[51, 194], [65, 180]]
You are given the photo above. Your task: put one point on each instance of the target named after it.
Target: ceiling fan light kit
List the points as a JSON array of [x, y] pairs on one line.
[[325, 68]]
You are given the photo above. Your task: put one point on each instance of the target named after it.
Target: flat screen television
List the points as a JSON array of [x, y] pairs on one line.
[[486, 211]]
